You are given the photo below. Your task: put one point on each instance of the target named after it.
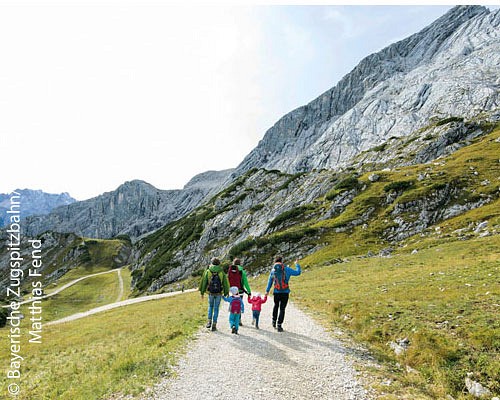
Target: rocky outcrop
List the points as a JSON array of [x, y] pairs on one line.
[[449, 69], [33, 202]]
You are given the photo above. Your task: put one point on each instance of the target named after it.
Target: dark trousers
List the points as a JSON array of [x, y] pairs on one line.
[[280, 302]]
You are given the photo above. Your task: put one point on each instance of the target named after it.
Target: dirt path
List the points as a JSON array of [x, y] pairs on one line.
[[120, 281], [115, 305], [69, 284], [304, 362]]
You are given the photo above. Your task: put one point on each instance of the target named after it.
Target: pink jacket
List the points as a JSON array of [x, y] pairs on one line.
[[257, 302]]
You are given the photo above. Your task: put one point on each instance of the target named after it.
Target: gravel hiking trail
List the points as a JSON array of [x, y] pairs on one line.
[[303, 362]]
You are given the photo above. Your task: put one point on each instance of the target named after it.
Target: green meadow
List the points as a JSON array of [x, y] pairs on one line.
[[85, 295], [444, 300], [120, 351]]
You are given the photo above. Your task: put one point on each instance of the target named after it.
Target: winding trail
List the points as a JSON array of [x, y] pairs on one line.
[[115, 305], [304, 362], [69, 284]]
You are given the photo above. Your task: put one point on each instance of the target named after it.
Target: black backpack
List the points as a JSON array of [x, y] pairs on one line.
[[214, 283]]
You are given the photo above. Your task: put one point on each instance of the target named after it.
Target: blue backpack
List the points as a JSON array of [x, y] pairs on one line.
[[279, 277]]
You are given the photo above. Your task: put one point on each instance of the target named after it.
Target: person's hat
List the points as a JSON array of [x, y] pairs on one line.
[[234, 290], [257, 294], [236, 261]]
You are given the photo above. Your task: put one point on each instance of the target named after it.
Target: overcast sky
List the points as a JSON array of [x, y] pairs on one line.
[[98, 93]]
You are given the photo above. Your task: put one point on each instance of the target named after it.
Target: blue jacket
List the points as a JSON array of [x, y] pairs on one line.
[[230, 299], [288, 273]]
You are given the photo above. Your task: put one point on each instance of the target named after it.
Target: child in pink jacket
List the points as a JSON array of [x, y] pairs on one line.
[[256, 302]]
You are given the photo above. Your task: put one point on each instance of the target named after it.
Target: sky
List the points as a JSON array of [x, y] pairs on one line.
[[93, 94]]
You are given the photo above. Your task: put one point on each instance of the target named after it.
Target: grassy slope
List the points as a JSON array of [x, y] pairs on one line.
[[103, 352], [444, 299], [84, 295], [98, 256]]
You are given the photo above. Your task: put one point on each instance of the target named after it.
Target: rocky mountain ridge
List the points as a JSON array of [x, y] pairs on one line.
[[33, 202], [135, 208], [449, 69]]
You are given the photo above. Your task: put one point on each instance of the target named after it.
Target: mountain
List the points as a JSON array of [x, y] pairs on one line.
[[353, 212], [449, 69], [400, 144], [33, 202], [134, 209]]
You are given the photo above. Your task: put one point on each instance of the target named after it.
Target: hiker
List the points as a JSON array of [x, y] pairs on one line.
[[256, 302], [279, 276], [238, 277], [236, 307], [214, 281]]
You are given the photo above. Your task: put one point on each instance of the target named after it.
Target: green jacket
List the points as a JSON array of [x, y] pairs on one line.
[[208, 272], [244, 280]]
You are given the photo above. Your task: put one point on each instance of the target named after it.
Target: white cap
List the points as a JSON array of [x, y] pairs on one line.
[[233, 290]]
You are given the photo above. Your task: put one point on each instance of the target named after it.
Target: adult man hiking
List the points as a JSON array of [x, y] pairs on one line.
[[214, 281], [279, 277]]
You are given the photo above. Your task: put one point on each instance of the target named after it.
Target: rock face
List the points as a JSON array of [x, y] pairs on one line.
[[449, 69], [135, 208], [33, 202]]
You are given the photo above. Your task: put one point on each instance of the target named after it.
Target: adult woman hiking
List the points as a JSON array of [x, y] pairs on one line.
[[279, 277], [237, 277]]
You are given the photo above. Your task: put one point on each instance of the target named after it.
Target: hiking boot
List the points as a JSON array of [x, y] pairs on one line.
[[214, 326], [280, 329], [274, 324], [209, 324], [235, 332], [233, 329], [257, 327]]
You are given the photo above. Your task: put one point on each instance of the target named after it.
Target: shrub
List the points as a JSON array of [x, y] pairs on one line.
[[124, 238], [198, 272], [448, 120], [239, 248], [398, 186], [288, 215], [290, 180], [380, 147], [332, 194], [348, 183], [3, 317], [256, 208]]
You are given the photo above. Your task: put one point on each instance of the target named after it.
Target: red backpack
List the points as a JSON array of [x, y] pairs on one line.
[[234, 275], [279, 277], [235, 307]]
